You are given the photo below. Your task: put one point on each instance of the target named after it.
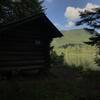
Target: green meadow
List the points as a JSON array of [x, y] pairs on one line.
[[76, 52]]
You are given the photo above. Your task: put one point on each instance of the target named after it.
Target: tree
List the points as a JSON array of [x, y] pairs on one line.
[[92, 19], [11, 10], [6, 13], [23, 8]]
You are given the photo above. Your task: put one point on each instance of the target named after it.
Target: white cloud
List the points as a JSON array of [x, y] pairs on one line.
[[71, 23], [90, 6], [73, 13]]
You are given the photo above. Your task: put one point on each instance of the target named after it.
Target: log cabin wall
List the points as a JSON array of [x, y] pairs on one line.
[[25, 44], [23, 50]]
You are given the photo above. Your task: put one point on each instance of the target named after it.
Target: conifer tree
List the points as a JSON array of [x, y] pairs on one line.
[[92, 19], [11, 10]]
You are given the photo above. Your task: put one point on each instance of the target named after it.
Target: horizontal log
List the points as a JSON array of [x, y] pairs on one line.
[[21, 53], [23, 46], [29, 67], [22, 49], [23, 38], [22, 63], [7, 58]]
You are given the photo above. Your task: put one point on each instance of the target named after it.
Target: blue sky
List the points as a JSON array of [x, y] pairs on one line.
[[63, 13]]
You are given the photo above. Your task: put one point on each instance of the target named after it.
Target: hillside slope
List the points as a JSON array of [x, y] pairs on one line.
[[73, 36]]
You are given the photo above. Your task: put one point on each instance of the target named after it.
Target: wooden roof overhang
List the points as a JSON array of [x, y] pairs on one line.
[[36, 24]]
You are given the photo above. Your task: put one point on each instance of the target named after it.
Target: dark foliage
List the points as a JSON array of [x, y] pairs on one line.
[[11, 10], [92, 19], [57, 60]]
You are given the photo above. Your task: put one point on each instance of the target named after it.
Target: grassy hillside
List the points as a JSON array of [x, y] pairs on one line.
[[73, 36], [75, 51]]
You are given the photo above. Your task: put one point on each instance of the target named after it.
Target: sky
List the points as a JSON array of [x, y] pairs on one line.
[[64, 13]]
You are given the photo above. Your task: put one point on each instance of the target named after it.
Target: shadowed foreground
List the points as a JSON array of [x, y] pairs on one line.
[[61, 83]]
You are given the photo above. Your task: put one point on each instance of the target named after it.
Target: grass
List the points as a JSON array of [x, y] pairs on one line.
[[75, 51], [62, 83]]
